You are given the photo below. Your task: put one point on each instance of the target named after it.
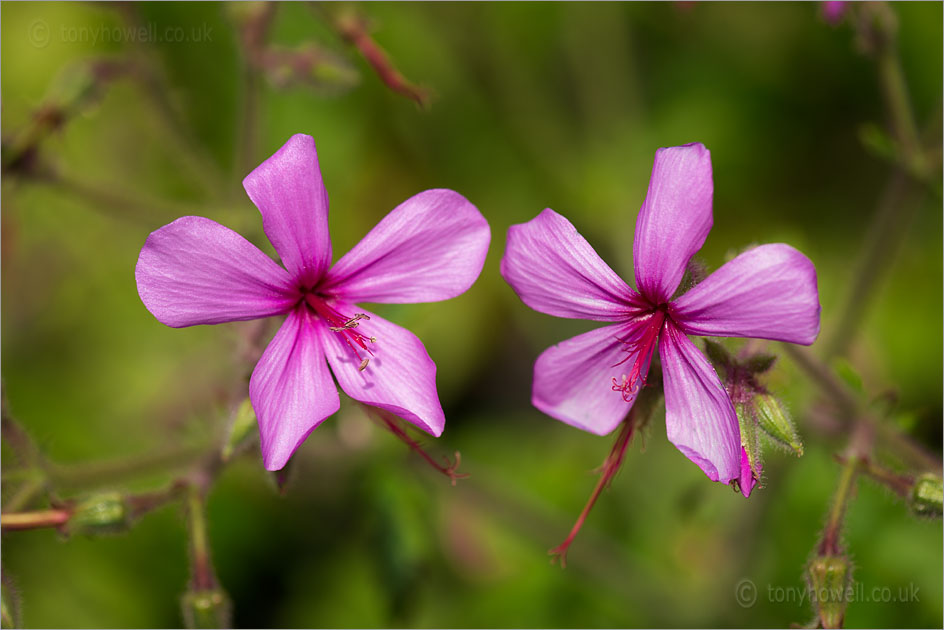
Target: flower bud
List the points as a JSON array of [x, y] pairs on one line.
[[100, 514], [829, 579], [206, 609], [241, 431], [927, 496], [776, 422]]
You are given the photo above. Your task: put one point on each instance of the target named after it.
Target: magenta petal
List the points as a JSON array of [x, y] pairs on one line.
[[699, 416], [748, 478], [554, 270], [767, 292], [399, 377], [674, 220], [288, 191], [573, 381], [291, 389], [429, 248], [196, 271]]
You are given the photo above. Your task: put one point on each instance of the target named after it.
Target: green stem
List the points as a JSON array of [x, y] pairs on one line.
[[203, 579], [109, 472], [895, 92], [25, 494], [896, 209], [830, 544], [151, 76], [886, 232], [899, 484], [853, 410]]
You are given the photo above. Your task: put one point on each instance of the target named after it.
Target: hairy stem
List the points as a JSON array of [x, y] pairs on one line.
[[898, 205], [203, 578], [352, 28], [853, 410], [96, 474], [609, 469]]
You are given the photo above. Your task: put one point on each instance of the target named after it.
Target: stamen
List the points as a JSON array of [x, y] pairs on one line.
[[395, 426], [343, 325], [643, 346], [349, 324], [610, 467]]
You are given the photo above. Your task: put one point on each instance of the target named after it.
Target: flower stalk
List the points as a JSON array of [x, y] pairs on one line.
[[353, 29], [829, 544], [395, 426], [204, 604], [611, 465]]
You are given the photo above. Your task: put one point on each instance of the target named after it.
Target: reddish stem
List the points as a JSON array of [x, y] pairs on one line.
[[449, 468], [608, 471], [352, 29], [35, 520]]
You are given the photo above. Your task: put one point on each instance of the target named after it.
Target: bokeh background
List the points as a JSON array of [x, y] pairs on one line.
[[534, 105]]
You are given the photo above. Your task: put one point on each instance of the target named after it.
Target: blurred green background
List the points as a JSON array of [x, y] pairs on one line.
[[535, 105]]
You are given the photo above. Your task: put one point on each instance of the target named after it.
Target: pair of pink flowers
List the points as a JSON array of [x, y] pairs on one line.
[[432, 247]]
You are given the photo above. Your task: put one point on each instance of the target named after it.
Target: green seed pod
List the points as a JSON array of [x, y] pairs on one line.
[[829, 579], [776, 422], [100, 514], [927, 496]]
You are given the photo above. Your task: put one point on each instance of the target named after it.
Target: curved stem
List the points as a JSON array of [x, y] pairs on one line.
[[853, 410]]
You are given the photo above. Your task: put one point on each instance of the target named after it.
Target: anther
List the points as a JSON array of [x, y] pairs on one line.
[[349, 324]]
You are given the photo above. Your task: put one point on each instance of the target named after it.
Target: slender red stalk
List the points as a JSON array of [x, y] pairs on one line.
[[353, 30], [35, 520], [611, 466], [394, 426]]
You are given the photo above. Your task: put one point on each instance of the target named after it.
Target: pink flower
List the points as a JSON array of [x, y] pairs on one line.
[[429, 248], [834, 11], [591, 381]]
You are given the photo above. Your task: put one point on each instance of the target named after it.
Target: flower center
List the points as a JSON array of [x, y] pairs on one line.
[[343, 325], [641, 343]]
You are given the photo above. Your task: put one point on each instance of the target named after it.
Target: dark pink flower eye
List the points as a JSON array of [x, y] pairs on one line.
[[592, 380], [429, 248]]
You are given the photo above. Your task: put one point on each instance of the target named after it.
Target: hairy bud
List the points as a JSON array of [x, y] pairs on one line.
[[776, 422], [100, 514], [927, 496], [829, 579], [206, 609]]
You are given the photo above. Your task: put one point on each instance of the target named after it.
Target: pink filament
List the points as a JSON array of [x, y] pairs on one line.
[[344, 326], [643, 346]]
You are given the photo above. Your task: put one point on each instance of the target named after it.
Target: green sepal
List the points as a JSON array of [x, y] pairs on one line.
[[776, 423]]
